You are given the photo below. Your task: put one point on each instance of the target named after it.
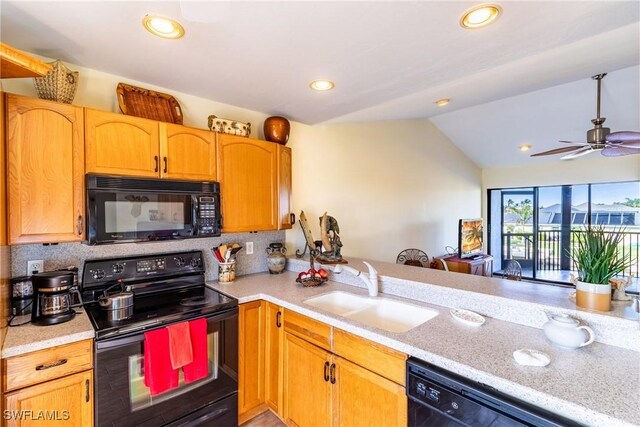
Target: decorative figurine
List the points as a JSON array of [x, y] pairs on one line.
[[329, 232], [619, 286]]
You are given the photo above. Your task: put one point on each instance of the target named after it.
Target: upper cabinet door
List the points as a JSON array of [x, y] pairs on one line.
[[187, 153], [121, 145], [285, 208], [247, 171], [45, 165]]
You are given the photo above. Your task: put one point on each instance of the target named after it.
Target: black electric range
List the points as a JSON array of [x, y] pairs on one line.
[[167, 288]]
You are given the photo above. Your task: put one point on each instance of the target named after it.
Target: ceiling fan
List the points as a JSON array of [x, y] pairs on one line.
[[610, 144]]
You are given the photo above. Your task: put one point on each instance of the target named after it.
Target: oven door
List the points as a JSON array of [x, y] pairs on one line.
[[135, 215], [123, 400]]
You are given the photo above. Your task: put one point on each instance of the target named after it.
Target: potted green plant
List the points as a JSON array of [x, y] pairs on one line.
[[597, 259]]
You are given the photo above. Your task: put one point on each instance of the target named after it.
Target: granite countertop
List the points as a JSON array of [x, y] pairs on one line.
[[596, 385], [29, 337]]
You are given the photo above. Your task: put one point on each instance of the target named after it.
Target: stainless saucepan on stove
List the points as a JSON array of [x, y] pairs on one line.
[[119, 306]]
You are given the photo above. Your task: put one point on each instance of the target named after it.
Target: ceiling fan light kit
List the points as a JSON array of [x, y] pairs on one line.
[[600, 138]]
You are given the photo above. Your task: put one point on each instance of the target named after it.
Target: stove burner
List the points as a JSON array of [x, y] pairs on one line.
[[195, 301]]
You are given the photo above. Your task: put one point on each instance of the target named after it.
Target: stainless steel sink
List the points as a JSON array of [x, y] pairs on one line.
[[390, 315]]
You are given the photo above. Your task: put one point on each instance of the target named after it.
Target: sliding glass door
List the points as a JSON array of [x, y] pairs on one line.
[[537, 226]]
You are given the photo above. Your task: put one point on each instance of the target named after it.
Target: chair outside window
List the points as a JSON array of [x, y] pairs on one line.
[[414, 257], [513, 271]]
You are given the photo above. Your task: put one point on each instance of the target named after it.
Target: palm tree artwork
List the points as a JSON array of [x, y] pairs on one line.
[[472, 232]]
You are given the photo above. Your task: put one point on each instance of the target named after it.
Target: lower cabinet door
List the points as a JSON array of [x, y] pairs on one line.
[[67, 402], [273, 357], [307, 401], [250, 358], [362, 398]]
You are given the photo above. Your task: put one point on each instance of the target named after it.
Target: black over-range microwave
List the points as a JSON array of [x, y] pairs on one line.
[[122, 209]]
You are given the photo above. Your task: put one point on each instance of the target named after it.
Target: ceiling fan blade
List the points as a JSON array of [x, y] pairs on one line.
[[581, 152], [623, 136], [631, 143], [619, 150], [574, 142], [559, 150]]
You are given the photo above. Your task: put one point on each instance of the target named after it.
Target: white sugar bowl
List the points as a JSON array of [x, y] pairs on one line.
[[567, 332]]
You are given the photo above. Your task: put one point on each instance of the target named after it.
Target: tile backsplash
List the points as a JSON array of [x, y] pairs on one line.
[[74, 254]]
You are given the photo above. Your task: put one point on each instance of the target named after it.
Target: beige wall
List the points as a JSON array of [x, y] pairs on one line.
[[583, 170], [97, 89], [391, 186]]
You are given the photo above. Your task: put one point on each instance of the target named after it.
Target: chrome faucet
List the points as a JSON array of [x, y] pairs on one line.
[[371, 281]]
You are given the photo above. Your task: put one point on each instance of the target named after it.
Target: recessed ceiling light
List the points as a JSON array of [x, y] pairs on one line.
[[321, 85], [525, 147], [163, 27], [442, 102], [480, 16]]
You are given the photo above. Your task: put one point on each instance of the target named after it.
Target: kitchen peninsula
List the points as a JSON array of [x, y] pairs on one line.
[[577, 384]]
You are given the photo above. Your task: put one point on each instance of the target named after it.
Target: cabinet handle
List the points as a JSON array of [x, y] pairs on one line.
[[292, 217], [333, 373], [79, 225], [52, 365], [86, 389], [155, 159], [278, 316], [166, 164], [326, 373]]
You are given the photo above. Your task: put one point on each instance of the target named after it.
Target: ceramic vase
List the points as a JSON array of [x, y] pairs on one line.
[[593, 297], [276, 129], [276, 259]]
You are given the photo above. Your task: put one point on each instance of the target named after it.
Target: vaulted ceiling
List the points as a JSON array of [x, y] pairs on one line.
[[389, 60]]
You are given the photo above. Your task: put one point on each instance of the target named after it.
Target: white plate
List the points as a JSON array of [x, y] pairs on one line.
[[531, 357], [467, 317]]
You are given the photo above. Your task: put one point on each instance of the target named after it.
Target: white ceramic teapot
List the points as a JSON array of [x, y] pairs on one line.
[[565, 331]]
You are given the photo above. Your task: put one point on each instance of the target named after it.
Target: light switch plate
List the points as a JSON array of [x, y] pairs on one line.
[[249, 248]]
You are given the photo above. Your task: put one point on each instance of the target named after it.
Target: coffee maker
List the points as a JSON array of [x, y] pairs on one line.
[[52, 298]]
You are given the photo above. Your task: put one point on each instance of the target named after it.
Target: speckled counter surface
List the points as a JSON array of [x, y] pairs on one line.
[[596, 385], [29, 337]]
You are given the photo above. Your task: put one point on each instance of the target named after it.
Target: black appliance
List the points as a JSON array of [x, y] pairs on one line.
[[21, 295], [441, 398], [52, 298], [167, 288], [121, 209]]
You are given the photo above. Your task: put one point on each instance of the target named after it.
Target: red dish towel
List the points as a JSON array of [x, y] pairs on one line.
[[180, 345], [159, 375], [199, 368]]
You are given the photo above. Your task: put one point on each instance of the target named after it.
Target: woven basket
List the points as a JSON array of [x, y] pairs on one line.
[[59, 84]]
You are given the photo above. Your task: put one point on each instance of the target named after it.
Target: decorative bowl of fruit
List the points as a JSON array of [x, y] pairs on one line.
[[312, 277]]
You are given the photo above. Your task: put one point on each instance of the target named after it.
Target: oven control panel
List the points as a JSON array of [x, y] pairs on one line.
[[146, 265], [97, 273]]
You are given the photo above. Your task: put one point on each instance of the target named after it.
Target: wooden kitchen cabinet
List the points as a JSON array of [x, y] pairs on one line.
[[321, 387], [286, 219], [56, 380], [362, 398], [251, 350], [69, 400], [45, 171], [247, 172], [187, 153], [274, 342], [307, 400], [118, 144]]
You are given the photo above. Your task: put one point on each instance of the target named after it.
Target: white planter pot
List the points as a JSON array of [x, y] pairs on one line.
[[593, 297]]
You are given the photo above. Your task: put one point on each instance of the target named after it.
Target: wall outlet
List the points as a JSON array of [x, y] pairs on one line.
[[35, 266], [249, 248]]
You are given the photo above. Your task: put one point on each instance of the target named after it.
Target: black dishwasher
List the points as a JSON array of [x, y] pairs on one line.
[[438, 398]]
